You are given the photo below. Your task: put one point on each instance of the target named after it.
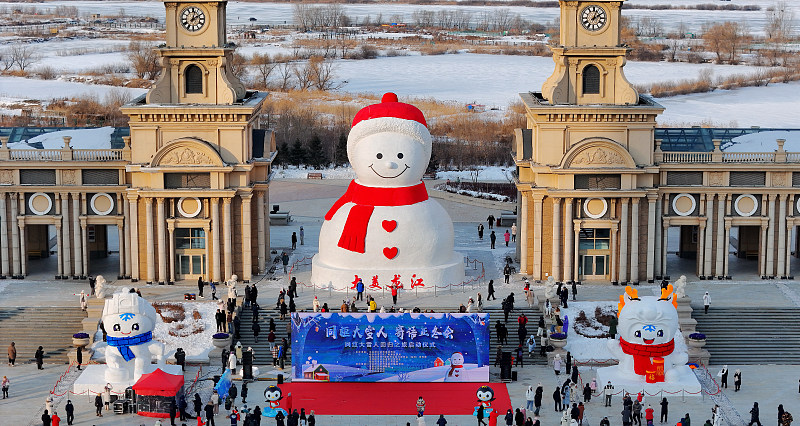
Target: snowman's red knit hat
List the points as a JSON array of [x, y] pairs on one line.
[[390, 116]]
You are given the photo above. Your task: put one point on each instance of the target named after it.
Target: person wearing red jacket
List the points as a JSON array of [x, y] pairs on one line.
[[648, 414]]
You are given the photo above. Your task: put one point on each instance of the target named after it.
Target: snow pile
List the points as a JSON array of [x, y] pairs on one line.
[[294, 172], [478, 174], [180, 334], [473, 194], [764, 142], [98, 138]]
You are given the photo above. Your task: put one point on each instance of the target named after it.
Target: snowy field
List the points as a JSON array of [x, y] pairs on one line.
[[481, 174], [282, 13]]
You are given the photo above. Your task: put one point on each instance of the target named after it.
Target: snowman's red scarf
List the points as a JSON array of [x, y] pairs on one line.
[[642, 353], [366, 198]]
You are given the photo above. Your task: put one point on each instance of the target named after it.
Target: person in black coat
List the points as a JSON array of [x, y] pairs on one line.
[[574, 374], [509, 418], [664, 410], [210, 414], [519, 418], [182, 407], [200, 285], [587, 393], [39, 355], [79, 357], [557, 400], [45, 418], [754, 415], [70, 409], [98, 405], [537, 399], [244, 393], [198, 404], [173, 411], [491, 291], [233, 392], [279, 419], [574, 291]]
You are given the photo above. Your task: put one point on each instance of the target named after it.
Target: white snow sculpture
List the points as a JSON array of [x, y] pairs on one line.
[[385, 224], [99, 287], [231, 283], [550, 288], [129, 321], [647, 328], [680, 287]]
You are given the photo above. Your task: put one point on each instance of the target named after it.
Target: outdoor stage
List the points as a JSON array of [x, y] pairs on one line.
[[390, 398]]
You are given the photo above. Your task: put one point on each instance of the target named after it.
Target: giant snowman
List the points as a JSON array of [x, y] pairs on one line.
[[385, 230]]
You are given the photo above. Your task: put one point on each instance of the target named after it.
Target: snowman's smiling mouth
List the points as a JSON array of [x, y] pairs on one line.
[[389, 177]]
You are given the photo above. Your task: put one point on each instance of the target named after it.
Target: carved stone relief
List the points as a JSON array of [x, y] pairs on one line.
[[598, 156], [187, 156]]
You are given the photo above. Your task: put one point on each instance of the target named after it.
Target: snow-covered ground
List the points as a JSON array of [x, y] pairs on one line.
[[479, 174], [196, 345], [98, 138], [18, 88]]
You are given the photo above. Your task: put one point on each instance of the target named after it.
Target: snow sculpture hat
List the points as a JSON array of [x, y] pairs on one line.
[[389, 116], [126, 302]]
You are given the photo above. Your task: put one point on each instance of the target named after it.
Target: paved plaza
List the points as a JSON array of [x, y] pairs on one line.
[[307, 202]]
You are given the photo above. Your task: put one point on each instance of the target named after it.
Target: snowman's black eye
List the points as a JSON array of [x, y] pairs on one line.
[[638, 334], [400, 155], [379, 156]]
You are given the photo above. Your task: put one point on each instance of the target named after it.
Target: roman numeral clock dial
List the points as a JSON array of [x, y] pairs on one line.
[[593, 17], [193, 18]]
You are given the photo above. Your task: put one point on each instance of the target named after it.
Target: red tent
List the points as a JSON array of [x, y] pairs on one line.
[[155, 391]]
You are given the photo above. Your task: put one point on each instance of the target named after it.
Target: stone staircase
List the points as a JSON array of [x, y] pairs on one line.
[[261, 349], [751, 335], [53, 327]]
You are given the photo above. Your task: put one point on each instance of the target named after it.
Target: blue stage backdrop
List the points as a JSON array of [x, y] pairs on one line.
[[390, 347]]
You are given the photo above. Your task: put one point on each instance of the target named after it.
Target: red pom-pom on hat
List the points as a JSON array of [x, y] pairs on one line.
[[390, 108]]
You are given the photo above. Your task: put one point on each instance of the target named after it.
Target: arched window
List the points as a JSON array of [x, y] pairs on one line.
[[591, 80], [194, 79]]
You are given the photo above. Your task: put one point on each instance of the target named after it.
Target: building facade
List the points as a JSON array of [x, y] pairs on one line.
[[187, 191], [604, 193]]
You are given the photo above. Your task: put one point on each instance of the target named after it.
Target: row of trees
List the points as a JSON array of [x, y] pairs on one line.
[[19, 56]]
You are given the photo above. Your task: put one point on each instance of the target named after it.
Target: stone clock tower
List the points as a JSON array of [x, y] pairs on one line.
[[586, 175], [200, 164], [196, 56], [589, 58]]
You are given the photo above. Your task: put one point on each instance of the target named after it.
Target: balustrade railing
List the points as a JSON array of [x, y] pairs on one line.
[[97, 154], [36, 154]]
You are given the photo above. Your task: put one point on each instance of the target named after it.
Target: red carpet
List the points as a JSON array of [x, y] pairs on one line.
[[390, 398]]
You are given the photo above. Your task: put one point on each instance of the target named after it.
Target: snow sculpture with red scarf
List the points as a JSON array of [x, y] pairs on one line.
[[649, 356], [385, 224]]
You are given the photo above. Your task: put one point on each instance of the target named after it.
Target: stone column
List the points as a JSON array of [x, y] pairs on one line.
[[727, 241], [722, 243], [123, 254], [664, 251], [84, 247], [4, 265], [262, 247], [66, 234], [555, 268], [171, 229], [133, 220], [708, 256], [22, 247], [782, 237], [634, 240], [76, 234], [623, 243], [701, 251], [207, 233], [150, 240], [247, 244], [60, 272], [575, 256], [228, 230], [614, 229], [537, 236], [762, 249], [215, 225], [127, 224], [568, 249], [770, 272], [162, 241], [523, 231], [657, 238], [651, 237], [16, 268]]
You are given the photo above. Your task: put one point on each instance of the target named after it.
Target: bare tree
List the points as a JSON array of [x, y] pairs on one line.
[[237, 65], [304, 76], [23, 56], [6, 60], [321, 72], [285, 72], [265, 65], [726, 40], [144, 59]]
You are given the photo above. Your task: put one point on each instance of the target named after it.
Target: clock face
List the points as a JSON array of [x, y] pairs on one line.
[[193, 18], [593, 17]]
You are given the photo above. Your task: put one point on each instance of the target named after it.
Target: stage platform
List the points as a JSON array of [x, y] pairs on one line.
[[390, 398]]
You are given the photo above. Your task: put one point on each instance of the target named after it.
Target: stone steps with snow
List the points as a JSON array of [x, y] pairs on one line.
[[55, 327], [750, 335]]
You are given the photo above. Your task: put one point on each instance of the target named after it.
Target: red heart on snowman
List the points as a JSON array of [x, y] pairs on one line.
[[389, 225], [390, 252]]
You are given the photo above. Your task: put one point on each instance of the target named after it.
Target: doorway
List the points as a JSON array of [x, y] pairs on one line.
[[594, 251], [190, 256]]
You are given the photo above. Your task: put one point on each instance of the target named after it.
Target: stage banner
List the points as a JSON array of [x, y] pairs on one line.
[[390, 347]]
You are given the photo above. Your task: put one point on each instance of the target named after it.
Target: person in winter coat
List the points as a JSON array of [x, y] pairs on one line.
[[244, 393], [98, 405], [360, 290], [39, 355], [574, 376], [637, 412], [509, 418], [648, 415], [574, 412], [198, 404], [786, 419], [706, 302], [294, 240], [557, 400], [55, 420], [173, 411], [45, 418], [492, 239], [507, 237], [529, 395], [607, 391], [557, 364], [737, 380], [209, 409], [479, 414], [664, 409], [754, 415], [612, 326], [537, 399], [686, 420], [12, 354], [587, 393], [519, 418], [723, 374], [490, 291], [626, 416], [531, 345]]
